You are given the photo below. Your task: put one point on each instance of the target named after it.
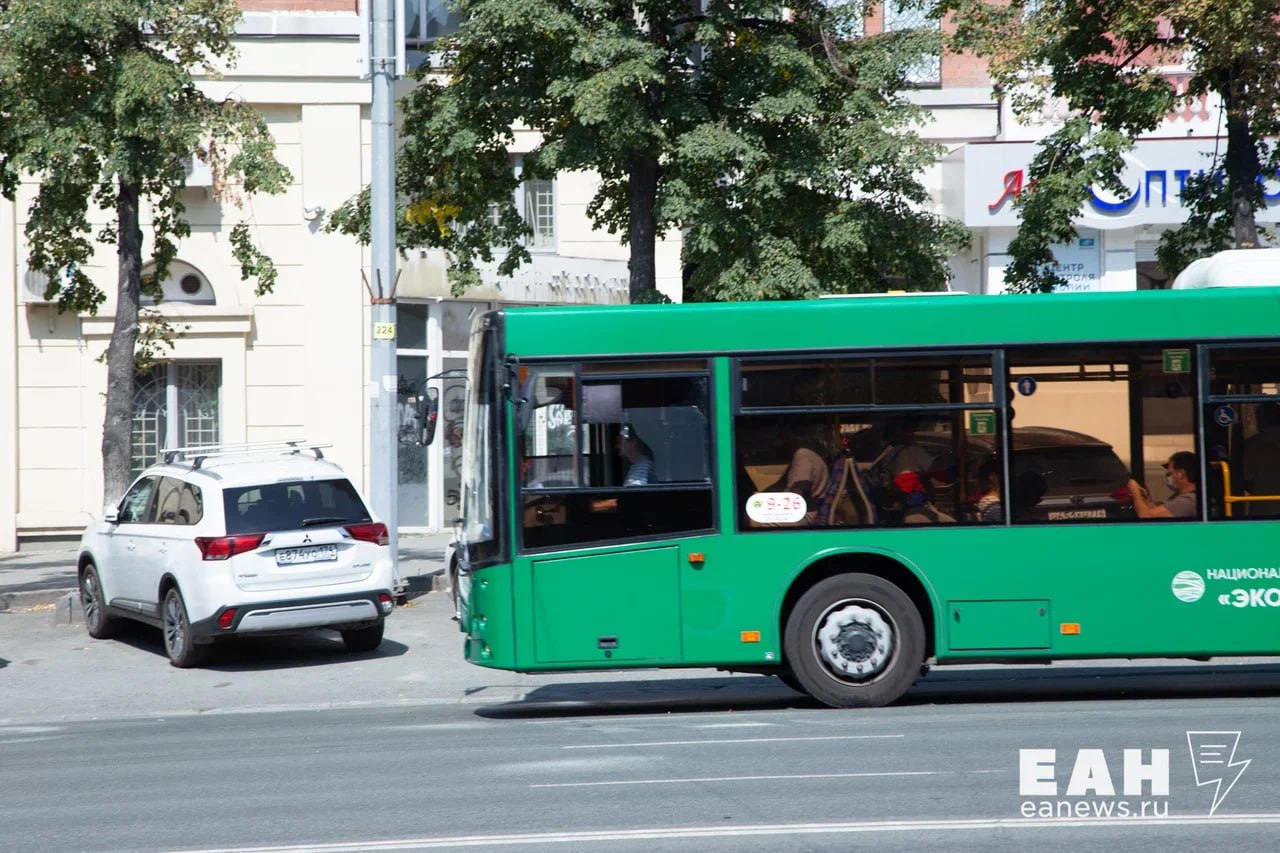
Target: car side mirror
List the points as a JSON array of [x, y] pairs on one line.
[[430, 415], [111, 514]]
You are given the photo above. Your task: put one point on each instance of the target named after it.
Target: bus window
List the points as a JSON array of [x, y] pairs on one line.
[[1084, 418], [548, 439], [618, 457], [1242, 428], [868, 441]]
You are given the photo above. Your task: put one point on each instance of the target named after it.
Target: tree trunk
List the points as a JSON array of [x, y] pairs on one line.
[[117, 431], [1243, 169], [642, 232]]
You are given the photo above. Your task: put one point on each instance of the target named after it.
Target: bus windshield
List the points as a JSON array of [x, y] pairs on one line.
[[477, 534]]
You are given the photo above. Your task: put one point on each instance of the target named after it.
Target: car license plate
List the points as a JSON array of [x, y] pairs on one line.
[[310, 554]]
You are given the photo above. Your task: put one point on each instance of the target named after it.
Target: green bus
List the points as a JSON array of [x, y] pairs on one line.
[[845, 491]]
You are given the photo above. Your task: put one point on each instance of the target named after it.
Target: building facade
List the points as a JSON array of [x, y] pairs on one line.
[[293, 363]]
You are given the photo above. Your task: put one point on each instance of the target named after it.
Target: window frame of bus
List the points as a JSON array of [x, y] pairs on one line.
[[616, 369], [998, 404], [1213, 507]]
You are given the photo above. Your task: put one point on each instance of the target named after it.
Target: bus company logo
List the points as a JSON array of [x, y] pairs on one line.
[[1143, 779], [1188, 586]]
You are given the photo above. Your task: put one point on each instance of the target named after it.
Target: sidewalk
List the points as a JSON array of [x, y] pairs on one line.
[[45, 574]]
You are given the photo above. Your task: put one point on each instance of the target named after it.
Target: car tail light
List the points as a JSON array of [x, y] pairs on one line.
[[225, 547], [228, 616], [385, 602], [373, 531], [1122, 496]]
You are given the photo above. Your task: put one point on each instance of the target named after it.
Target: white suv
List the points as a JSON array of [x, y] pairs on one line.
[[247, 539]]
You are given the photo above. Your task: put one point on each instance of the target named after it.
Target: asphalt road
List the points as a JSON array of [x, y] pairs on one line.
[[299, 746]]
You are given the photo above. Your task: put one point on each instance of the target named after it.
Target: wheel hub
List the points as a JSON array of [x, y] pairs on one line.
[[854, 640]]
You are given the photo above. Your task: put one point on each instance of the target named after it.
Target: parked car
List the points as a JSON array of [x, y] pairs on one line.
[[1056, 474], [1076, 477], [254, 539]]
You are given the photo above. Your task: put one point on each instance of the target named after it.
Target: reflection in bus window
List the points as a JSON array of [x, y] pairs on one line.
[[1084, 417]]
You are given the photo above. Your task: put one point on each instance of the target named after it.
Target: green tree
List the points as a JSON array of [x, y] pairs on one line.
[[98, 104], [1104, 60], [781, 144]]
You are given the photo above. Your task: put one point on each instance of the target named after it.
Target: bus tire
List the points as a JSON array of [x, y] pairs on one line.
[[854, 641]]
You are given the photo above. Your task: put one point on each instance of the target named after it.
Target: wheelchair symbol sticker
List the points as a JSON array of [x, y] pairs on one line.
[[1224, 416]]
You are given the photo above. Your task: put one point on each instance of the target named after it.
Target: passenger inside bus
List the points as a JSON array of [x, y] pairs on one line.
[[903, 474], [990, 507], [1183, 477], [638, 456]]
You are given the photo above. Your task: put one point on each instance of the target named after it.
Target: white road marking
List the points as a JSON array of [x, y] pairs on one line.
[[743, 778], [727, 740], [734, 725], [1142, 824]]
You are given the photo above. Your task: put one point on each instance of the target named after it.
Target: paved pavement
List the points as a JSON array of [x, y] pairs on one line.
[[44, 573]]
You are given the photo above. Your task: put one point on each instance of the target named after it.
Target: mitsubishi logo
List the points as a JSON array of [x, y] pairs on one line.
[[306, 540]]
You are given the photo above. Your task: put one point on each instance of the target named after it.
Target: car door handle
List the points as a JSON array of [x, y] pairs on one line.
[[132, 545]]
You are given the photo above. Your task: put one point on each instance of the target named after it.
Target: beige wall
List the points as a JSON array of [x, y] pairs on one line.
[[295, 362], [8, 381]]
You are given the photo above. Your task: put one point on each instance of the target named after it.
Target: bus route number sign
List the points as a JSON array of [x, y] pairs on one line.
[[776, 508]]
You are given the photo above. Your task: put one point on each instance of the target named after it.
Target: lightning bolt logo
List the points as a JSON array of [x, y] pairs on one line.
[[1213, 757]]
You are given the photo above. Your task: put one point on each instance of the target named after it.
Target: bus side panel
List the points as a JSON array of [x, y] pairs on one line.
[[486, 617], [1122, 590]]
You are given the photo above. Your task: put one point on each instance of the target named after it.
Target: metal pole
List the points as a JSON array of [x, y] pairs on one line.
[[383, 414]]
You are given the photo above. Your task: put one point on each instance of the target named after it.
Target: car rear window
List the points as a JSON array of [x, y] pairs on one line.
[[1067, 468], [290, 506]]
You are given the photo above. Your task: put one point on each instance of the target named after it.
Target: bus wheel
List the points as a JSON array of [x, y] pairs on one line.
[[854, 641]]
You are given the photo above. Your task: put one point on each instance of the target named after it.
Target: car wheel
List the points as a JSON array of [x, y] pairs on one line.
[[854, 641], [183, 651], [363, 639], [97, 621]]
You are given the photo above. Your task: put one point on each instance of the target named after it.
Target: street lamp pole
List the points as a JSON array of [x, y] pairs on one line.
[[383, 382]]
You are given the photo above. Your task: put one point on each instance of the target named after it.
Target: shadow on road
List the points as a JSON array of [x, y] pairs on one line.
[[941, 686], [1106, 682], [657, 696], [258, 654]]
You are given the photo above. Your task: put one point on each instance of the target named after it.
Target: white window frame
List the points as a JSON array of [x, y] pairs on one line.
[[928, 71], [536, 202], [174, 433]]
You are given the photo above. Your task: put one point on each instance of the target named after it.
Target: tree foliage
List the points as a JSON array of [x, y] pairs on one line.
[[98, 103], [1108, 62], [782, 146]]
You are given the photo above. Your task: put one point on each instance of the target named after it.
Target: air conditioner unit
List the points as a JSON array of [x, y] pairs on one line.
[[31, 288], [199, 173]]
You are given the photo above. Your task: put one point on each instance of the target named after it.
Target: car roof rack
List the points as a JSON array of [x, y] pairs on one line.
[[198, 454]]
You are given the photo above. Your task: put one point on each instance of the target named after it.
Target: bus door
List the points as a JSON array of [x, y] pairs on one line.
[[614, 468]]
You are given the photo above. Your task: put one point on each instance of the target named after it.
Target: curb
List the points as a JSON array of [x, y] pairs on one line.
[[34, 598]]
